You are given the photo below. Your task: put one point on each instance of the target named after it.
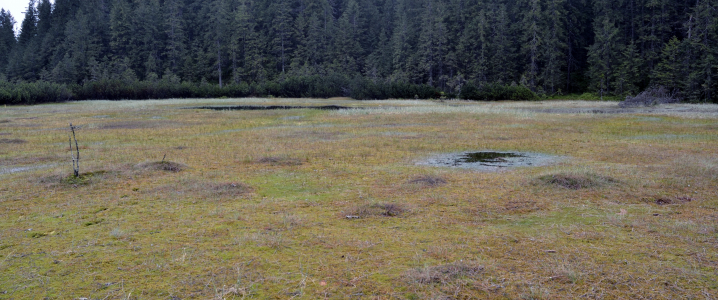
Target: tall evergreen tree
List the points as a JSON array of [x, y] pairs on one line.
[[7, 38], [532, 43], [281, 32], [176, 39], [554, 45], [602, 55], [432, 41]]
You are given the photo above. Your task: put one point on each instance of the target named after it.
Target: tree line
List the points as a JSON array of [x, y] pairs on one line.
[[438, 47]]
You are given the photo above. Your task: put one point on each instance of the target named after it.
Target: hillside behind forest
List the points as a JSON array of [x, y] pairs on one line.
[[108, 49]]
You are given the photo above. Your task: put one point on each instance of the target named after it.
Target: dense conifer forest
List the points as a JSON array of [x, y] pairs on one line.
[[366, 49]]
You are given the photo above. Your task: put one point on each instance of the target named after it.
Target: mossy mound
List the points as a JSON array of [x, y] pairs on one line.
[[576, 181], [166, 166]]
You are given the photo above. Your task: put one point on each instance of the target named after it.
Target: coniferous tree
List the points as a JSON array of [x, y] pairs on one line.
[[532, 43], [176, 39], [7, 38], [281, 32], [432, 41], [148, 42], [553, 46], [602, 55], [668, 71], [627, 73], [502, 49]]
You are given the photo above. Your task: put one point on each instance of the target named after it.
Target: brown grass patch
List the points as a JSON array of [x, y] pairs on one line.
[[4, 121], [574, 181], [376, 210], [443, 274], [428, 180], [668, 200], [166, 166], [280, 161], [5, 133], [521, 206], [233, 189], [12, 141]]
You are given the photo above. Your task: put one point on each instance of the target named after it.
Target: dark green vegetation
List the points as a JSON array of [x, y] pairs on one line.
[[365, 49]]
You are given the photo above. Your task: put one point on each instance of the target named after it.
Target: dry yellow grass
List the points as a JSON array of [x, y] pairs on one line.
[[254, 203]]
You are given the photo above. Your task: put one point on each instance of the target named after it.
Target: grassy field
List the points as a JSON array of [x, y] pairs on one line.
[[254, 204]]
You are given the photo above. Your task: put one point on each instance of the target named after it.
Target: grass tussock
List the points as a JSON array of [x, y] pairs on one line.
[[668, 200], [166, 166], [575, 181], [377, 210], [428, 181], [12, 141], [280, 161], [75, 181], [443, 274], [231, 189]]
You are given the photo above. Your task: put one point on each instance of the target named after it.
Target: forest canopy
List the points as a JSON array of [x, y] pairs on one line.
[[370, 49]]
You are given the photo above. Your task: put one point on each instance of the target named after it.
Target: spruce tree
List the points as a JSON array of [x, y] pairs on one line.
[[628, 71], [175, 45], [668, 71], [554, 45], [28, 28], [7, 38], [532, 41], [503, 50], [281, 33]]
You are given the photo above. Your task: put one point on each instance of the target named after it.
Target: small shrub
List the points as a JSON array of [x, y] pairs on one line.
[[575, 181], [652, 96]]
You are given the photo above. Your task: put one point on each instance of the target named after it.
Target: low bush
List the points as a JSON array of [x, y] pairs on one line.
[[33, 93], [493, 92]]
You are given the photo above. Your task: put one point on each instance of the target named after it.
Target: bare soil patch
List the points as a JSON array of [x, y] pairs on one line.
[[12, 141]]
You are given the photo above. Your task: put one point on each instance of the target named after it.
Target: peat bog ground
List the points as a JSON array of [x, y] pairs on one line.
[[178, 203]]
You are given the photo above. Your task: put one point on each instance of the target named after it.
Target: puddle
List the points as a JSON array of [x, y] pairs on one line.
[[271, 107], [490, 160]]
